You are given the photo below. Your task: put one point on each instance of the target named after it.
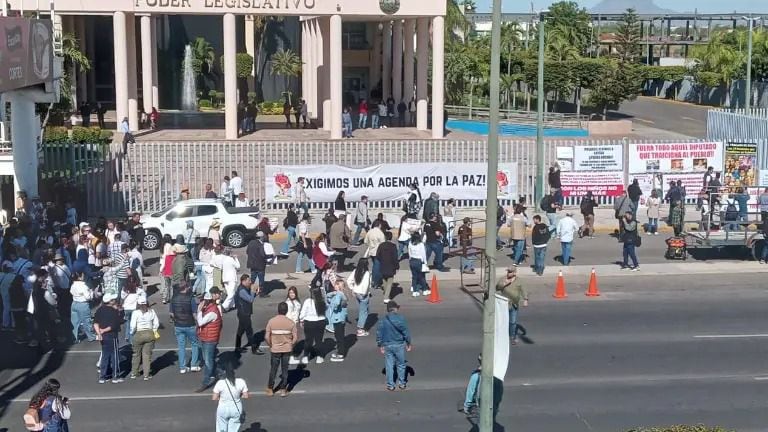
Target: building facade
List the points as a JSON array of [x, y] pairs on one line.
[[350, 49]]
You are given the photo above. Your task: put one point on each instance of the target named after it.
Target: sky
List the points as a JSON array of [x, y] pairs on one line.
[[703, 6]]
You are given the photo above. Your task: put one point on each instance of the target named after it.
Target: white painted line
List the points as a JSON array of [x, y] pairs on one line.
[[645, 121], [761, 378], [732, 336], [226, 348], [688, 118], [206, 393]]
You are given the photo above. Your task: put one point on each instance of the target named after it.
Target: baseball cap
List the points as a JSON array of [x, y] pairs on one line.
[[109, 297]]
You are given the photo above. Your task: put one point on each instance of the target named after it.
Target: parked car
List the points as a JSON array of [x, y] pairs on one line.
[[237, 224]]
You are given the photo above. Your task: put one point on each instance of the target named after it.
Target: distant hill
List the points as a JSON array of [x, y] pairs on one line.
[[619, 6]]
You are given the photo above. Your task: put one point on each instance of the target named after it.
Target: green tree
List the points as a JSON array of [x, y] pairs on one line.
[[287, 64], [621, 81], [572, 22], [628, 36], [722, 56], [73, 58], [203, 61], [559, 46], [511, 35], [456, 23]]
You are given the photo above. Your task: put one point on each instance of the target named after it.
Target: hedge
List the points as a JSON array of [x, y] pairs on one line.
[[81, 135]]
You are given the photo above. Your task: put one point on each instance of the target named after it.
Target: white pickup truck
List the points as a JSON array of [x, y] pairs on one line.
[[237, 224]]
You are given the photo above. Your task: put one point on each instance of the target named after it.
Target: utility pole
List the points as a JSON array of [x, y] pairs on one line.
[[489, 302], [748, 92], [539, 189]]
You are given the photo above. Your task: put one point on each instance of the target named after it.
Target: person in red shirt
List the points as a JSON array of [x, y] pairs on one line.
[[362, 109], [209, 323]]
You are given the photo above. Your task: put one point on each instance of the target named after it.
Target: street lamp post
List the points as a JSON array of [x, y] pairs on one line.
[[489, 303], [539, 188], [748, 90]]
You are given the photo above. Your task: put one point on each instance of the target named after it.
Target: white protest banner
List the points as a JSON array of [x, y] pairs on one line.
[[692, 182], [675, 157], [387, 181], [608, 184], [648, 182], [501, 337], [598, 158]]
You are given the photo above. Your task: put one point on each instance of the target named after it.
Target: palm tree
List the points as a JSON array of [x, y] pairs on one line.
[[720, 58], [510, 38], [455, 22], [73, 58], [287, 64], [203, 59]]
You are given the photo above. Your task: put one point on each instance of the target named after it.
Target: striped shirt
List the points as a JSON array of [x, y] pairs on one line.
[[115, 248], [122, 263]]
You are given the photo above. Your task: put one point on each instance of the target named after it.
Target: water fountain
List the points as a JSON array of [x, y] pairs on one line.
[[188, 88]]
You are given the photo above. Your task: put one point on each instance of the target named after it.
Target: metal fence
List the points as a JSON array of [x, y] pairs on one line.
[[552, 120], [741, 127]]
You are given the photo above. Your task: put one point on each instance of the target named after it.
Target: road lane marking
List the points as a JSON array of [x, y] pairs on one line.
[[645, 121], [761, 378], [732, 336], [689, 119]]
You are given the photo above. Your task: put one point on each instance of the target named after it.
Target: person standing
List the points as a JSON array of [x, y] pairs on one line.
[[257, 258], [431, 206], [107, 326], [304, 246], [374, 111], [329, 219], [312, 319], [82, 295], [236, 184], [340, 205], [742, 198], [412, 112], [587, 209], [290, 223], [246, 294], [634, 193], [467, 258], [340, 240], [621, 206], [280, 335], [362, 109], [631, 238], [229, 266], [100, 111], [762, 202], [182, 265], [302, 200], [433, 231], [304, 114], [359, 282], [337, 317], [183, 307], [393, 337], [209, 323], [517, 225], [361, 219], [511, 288], [144, 326], [229, 391], [128, 138], [417, 260], [226, 193], [555, 184], [346, 122], [550, 206], [566, 230], [389, 263], [654, 204], [402, 108], [51, 410], [373, 239], [540, 235], [676, 216]]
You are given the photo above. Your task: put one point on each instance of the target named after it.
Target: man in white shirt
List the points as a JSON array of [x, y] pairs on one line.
[[60, 273], [241, 201], [302, 200], [225, 191], [236, 183], [229, 278], [566, 229]]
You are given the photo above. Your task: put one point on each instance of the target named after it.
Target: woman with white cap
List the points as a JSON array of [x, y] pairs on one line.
[[144, 326]]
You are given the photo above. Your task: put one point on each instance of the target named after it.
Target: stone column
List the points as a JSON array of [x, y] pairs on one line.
[[323, 75], [386, 64], [82, 77], [336, 76], [408, 60], [121, 66], [250, 48], [147, 82], [438, 92], [155, 88], [133, 86], [375, 75], [312, 51], [422, 72], [90, 52], [304, 60], [397, 61], [24, 134], [230, 76]]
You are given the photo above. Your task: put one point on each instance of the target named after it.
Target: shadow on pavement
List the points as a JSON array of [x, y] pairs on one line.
[[295, 376], [166, 360], [371, 321], [255, 427]]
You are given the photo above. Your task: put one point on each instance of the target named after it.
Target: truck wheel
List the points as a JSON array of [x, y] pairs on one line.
[[151, 240], [235, 239]]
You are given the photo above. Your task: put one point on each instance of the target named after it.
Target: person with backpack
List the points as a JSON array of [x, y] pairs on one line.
[[540, 235], [631, 239], [731, 213], [47, 410], [393, 337], [549, 205], [587, 209], [621, 206]]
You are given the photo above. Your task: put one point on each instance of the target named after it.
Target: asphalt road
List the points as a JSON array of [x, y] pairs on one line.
[[686, 119], [650, 350]]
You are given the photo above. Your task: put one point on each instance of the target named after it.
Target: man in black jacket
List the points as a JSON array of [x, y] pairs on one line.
[[136, 230], [244, 296], [634, 192], [257, 259], [183, 307], [434, 231], [388, 264]]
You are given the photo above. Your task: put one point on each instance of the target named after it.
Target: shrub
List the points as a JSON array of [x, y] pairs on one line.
[[56, 135], [220, 96], [204, 103], [86, 135]]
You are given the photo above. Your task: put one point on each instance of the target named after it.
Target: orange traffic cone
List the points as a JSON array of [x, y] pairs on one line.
[[560, 286], [592, 290], [434, 295]]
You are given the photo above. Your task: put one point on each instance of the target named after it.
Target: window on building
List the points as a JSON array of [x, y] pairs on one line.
[[354, 36]]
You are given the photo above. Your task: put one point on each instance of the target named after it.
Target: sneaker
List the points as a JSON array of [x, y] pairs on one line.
[[195, 369], [132, 376], [390, 388], [416, 294], [147, 377], [635, 269], [656, 233], [257, 351], [305, 360], [386, 300], [761, 262], [284, 254], [183, 370], [283, 393], [624, 268], [101, 381], [319, 360], [649, 233], [402, 387], [33, 344], [269, 392], [337, 358], [426, 292], [361, 333], [117, 381], [293, 361]]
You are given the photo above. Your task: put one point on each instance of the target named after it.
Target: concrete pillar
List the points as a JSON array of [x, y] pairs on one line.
[[324, 74], [304, 60], [438, 92], [90, 52], [24, 135], [82, 78], [336, 76], [68, 27], [155, 88], [133, 82], [146, 62], [250, 48], [230, 76], [375, 74], [397, 60], [312, 51], [386, 64], [409, 31], [422, 72], [121, 66]]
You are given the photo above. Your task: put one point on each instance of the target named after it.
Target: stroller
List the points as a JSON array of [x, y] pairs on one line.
[[677, 248]]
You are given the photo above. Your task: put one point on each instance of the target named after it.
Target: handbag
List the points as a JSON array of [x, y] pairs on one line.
[[424, 268], [239, 411]]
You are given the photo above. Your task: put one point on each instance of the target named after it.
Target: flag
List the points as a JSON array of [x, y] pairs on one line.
[[501, 338]]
